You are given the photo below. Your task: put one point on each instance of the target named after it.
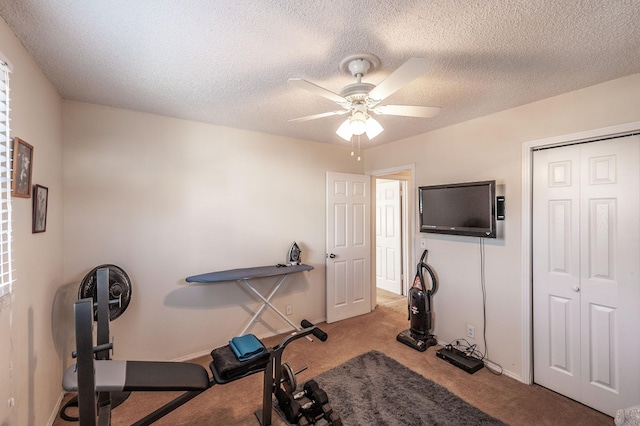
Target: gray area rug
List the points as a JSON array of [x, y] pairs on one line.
[[373, 389]]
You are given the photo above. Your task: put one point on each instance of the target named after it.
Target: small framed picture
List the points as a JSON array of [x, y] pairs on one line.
[[22, 165], [40, 201]]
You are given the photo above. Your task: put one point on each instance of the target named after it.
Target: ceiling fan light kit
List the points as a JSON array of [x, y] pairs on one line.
[[344, 131], [373, 128], [360, 99], [357, 125]]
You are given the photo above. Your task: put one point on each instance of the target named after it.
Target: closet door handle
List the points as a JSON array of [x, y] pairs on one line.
[[331, 256], [576, 288]]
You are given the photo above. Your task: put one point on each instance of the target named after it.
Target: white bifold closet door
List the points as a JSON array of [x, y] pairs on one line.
[[586, 272]]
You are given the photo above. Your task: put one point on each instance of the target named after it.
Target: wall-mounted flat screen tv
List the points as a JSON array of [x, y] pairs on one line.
[[459, 209]]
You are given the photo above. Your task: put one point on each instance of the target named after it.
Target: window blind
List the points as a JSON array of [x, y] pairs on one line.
[[5, 184]]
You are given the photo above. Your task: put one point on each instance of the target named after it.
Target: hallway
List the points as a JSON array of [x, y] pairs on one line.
[[395, 302]]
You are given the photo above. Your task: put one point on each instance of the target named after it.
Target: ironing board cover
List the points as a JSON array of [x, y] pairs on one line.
[[246, 273]]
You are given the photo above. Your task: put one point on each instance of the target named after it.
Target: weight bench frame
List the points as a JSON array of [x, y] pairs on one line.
[[94, 399]]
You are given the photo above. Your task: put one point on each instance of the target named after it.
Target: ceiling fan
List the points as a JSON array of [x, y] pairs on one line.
[[361, 99]]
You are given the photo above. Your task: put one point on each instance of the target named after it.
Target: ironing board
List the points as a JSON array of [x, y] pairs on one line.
[[243, 275]]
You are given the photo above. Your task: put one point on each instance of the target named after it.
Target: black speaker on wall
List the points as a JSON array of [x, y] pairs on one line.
[[500, 207]]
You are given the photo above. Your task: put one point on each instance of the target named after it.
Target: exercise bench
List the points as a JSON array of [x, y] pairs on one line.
[[95, 377]]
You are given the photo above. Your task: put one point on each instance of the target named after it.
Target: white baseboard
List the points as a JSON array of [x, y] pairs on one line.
[[56, 410]]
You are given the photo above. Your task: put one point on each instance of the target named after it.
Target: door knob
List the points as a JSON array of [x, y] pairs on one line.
[[331, 256], [576, 288]]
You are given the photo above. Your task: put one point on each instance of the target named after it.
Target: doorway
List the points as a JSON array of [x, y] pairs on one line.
[[389, 254], [393, 223]]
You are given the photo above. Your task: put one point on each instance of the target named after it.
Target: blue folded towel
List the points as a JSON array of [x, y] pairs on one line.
[[246, 347]]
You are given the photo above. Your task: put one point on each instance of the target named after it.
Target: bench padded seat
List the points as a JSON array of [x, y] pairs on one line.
[[153, 376], [165, 376]]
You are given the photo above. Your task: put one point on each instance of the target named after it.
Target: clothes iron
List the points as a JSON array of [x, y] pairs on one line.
[[293, 258]]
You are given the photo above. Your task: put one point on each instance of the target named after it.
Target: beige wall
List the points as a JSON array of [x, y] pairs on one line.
[[27, 336], [491, 148], [165, 199]]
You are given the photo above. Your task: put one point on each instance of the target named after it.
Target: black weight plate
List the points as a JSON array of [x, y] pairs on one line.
[[119, 287], [289, 383]]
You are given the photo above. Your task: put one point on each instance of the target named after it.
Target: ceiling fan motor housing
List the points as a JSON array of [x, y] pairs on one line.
[[356, 91]]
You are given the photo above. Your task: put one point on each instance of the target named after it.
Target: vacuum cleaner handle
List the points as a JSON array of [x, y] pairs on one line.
[[434, 282], [316, 331], [434, 279]]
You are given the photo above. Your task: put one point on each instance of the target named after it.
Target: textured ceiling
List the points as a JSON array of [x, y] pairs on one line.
[[227, 62]]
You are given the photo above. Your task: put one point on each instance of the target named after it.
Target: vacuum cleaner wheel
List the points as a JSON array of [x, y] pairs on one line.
[[119, 288]]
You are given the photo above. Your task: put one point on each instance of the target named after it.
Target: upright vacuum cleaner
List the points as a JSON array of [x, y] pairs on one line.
[[419, 336]]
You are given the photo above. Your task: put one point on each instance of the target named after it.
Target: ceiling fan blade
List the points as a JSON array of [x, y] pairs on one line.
[[404, 75], [408, 111], [322, 115], [321, 91]]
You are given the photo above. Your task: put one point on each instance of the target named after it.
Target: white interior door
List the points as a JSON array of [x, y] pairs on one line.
[[586, 272], [348, 246], [388, 236]]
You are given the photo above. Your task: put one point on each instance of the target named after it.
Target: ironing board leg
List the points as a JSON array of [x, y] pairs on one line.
[[266, 301]]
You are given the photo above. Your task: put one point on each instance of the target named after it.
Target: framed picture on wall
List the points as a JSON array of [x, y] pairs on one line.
[[40, 201], [22, 166]]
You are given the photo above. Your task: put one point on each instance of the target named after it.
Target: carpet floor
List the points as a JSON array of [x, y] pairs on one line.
[[235, 403]]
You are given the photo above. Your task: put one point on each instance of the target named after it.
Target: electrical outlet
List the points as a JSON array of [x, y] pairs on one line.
[[289, 310], [471, 331]]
